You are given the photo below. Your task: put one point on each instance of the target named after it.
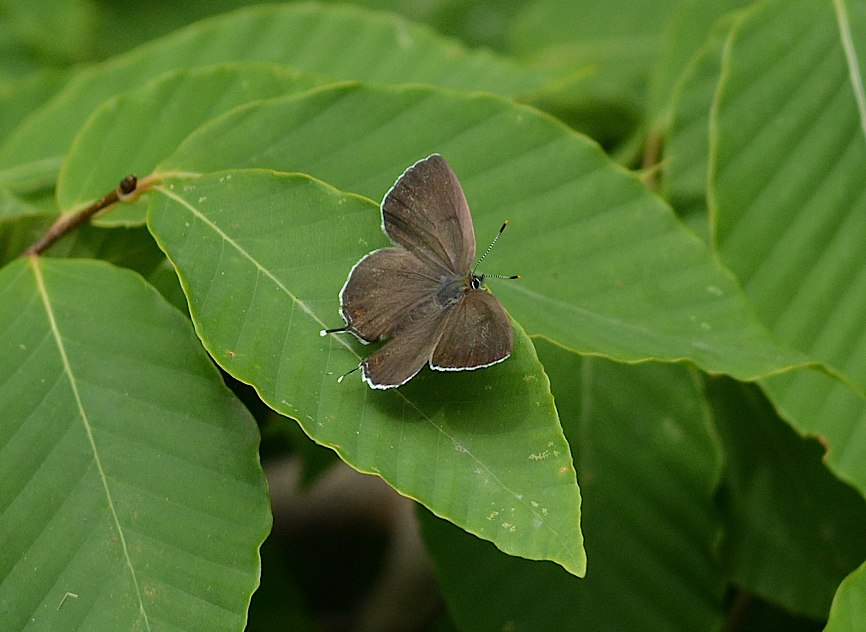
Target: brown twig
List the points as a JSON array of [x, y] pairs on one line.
[[652, 153], [124, 192]]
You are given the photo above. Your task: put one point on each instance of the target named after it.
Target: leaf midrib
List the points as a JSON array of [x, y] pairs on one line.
[[851, 58], [36, 266]]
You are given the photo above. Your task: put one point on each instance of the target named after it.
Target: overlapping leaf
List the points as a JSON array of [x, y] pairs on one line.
[[132, 496], [339, 42], [262, 257], [606, 267], [133, 131], [788, 186], [790, 204]]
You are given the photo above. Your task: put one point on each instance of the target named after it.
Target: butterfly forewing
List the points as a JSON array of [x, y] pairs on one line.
[[477, 334], [382, 288], [427, 213]]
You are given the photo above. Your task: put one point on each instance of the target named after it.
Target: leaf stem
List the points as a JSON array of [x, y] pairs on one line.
[[651, 155], [126, 190]]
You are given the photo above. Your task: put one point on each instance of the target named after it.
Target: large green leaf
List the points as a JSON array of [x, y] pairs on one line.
[[787, 182], [262, 257], [132, 495], [789, 203], [606, 267], [340, 42], [649, 464], [130, 133]]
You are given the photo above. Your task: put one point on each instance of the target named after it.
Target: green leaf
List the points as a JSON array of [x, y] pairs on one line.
[[339, 42], [130, 133], [649, 464], [607, 269], [787, 181], [793, 530], [789, 203], [132, 495], [262, 258], [849, 606]]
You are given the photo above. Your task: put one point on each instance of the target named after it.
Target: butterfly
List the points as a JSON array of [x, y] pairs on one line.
[[422, 295]]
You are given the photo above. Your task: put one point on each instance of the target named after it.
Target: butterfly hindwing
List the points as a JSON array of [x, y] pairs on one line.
[[409, 350], [476, 334], [426, 212]]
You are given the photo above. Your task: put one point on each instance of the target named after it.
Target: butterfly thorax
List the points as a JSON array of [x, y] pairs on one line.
[[454, 288]]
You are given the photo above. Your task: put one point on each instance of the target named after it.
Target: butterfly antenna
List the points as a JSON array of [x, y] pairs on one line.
[[486, 252], [502, 276], [490, 247]]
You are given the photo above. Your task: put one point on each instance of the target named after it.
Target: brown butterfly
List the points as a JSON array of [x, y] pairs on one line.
[[422, 293]]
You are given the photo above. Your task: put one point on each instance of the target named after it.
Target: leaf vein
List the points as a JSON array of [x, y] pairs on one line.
[[851, 57], [281, 286], [88, 428]]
